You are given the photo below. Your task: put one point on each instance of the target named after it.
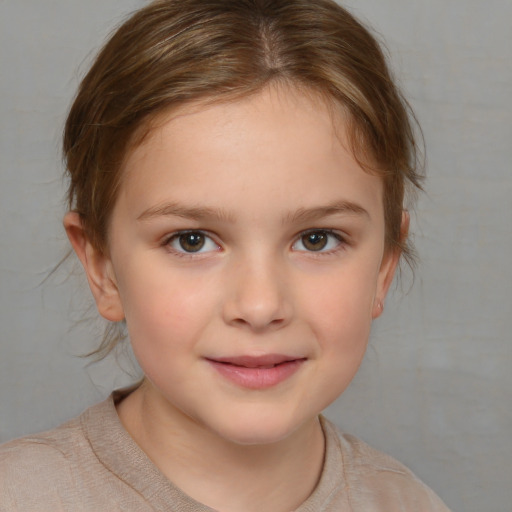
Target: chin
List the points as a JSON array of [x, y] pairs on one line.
[[251, 431]]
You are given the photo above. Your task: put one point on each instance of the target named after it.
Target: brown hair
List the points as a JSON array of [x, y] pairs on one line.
[[172, 52]]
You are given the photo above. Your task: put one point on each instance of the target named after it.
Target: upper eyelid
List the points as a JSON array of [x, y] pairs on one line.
[[339, 236], [167, 243], [330, 231], [167, 238]]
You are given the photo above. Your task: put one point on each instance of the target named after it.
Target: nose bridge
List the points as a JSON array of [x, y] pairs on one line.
[[258, 295]]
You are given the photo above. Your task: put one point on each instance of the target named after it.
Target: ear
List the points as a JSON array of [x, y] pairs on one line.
[[98, 269], [388, 268]]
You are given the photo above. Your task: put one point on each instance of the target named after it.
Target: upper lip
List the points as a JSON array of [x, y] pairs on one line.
[[263, 361]]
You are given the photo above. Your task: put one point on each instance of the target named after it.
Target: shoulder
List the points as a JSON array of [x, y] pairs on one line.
[[45, 448], [378, 481], [30, 466], [48, 471]]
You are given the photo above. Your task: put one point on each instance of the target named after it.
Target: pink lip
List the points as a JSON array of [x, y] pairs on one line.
[[259, 372]]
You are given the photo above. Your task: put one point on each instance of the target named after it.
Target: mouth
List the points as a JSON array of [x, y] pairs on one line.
[[257, 372]]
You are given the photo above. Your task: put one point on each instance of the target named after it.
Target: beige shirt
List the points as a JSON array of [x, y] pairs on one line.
[[91, 464]]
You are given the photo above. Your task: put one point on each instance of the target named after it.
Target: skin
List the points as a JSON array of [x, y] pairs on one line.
[[254, 176]]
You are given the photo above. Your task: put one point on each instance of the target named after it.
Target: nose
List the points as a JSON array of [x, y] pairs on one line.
[[257, 296]]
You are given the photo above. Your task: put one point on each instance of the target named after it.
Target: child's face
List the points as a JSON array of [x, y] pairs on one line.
[[245, 234]]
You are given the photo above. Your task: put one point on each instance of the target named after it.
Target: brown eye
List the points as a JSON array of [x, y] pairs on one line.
[[315, 240], [319, 240], [191, 242]]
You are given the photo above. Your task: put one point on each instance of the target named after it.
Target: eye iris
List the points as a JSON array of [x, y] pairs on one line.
[[315, 241], [192, 242]]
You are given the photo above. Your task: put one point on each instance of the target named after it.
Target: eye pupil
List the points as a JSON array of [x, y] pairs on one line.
[[192, 242], [315, 241]]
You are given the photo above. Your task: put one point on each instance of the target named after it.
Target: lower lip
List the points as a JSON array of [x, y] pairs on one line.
[[257, 378]]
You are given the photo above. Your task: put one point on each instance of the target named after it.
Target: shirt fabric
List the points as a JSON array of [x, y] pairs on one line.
[[91, 464]]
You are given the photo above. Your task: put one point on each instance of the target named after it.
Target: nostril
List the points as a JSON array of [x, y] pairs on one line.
[[258, 324], [256, 300]]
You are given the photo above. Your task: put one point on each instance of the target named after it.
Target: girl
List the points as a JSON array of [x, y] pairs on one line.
[[237, 175]]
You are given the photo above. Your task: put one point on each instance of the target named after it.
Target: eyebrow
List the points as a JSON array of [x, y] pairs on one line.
[[335, 208], [186, 212], [205, 212]]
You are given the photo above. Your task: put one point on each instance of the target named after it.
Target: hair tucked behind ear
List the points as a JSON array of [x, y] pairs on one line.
[[174, 52]]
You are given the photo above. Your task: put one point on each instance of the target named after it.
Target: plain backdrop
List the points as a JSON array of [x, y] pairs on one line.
[[435, 390]]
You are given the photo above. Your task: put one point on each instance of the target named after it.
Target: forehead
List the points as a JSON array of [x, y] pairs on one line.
[[292, 98], [263, 143]]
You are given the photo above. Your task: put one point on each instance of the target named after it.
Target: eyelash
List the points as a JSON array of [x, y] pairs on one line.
[[167, 242], [341, 242]]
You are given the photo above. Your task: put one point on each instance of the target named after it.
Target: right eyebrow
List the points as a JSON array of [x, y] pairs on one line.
[[187, 212], [336, 208]]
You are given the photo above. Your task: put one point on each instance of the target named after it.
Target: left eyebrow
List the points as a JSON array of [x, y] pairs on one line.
[[187, 212], [336, 208]]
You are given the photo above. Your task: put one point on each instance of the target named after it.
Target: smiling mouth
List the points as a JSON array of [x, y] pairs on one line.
[[257, 372]]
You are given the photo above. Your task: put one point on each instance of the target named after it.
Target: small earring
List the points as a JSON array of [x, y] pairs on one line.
[[380, 306]]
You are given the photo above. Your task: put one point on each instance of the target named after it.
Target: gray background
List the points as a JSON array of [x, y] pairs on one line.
[[435, 388]]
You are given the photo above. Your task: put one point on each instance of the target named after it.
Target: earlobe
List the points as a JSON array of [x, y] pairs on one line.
[[388, 268], [98, 269]]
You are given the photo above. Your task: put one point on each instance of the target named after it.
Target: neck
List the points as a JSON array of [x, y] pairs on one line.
[[276, 477]]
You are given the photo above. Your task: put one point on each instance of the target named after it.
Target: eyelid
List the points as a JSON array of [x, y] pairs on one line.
[[168, 239], [339, 236]]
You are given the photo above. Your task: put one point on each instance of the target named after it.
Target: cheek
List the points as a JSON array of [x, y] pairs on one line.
[[163, 314], [164, 328], [340, 305], [341, 324]]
